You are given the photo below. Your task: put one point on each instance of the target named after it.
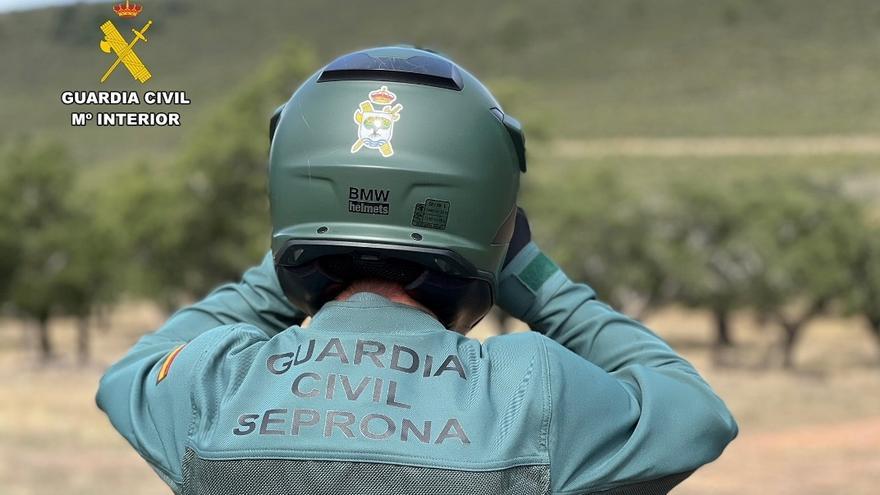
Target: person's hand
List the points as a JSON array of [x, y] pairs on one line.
[[512, 297], [522, 234], [516, 291]]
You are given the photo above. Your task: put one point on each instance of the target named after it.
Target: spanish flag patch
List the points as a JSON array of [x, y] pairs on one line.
[[166, 366]]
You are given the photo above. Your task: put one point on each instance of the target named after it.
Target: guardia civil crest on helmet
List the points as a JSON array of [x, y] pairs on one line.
[[375, 118]]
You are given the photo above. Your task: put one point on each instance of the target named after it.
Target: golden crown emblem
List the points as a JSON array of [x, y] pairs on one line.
[[382, 96], [127, 10]]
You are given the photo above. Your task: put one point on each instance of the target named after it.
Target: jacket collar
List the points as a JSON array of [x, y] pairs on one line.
[[370, 312]]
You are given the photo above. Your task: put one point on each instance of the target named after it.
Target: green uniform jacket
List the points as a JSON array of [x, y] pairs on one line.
[[376, 397]]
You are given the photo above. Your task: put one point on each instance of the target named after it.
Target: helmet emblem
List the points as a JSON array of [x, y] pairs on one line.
[[376, 123]]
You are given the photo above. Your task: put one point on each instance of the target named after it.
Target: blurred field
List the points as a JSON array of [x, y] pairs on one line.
[[811, 432], [600, 68]]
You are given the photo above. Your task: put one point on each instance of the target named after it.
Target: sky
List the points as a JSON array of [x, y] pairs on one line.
[[9, 5]]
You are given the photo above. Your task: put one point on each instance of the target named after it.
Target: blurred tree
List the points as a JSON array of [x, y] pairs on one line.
[[600, 232], [55, 258], [806, 236], [223, 213], [864, 293], [709, 262], [34, 191], [9, 243], [789, 248], [90, 276], [142, 209], [198, 221]]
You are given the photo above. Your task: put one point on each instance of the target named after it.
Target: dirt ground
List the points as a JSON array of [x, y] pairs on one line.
[[813, 431]]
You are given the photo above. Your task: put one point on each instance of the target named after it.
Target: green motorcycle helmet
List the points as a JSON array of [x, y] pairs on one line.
[[394, 163]]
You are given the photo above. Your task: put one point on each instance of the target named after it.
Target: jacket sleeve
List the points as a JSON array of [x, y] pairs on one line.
[[147, 394], [626, 410]]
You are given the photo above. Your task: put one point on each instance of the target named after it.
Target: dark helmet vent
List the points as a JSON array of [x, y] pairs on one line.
[[348, 267], [427, 70]]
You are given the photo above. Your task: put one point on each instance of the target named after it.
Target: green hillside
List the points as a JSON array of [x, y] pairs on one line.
[[591, 68]]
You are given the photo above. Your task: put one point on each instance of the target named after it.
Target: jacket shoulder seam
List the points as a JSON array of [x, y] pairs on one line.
[[547, 415]]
